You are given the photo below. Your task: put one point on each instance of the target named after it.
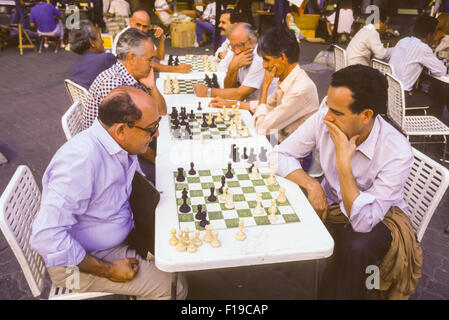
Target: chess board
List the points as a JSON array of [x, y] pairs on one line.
[[185, 86], [244, 191], [199, 63], [220, 132]]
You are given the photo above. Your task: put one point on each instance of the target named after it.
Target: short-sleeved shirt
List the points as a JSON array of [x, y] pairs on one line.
[[344, 22], [120, 8], [89, 66], [43, 15], [114, 77]]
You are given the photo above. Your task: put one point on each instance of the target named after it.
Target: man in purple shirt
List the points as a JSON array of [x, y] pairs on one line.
[[43, 16], [366, 163], [87, 226]]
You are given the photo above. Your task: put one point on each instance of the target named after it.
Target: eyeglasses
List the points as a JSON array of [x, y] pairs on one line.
[[238, 45], [151, 130]]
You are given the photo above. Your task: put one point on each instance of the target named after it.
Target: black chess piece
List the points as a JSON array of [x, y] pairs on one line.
[[229, 174], [192, 171], [213, 125], [250, 169], [231, 155], [188, 131], [184, 207], [191, 115], [180, 177], [199, 106], [204, 124], [170, 60], [215, 81], [208, 81], [252, 156], [263, 154], [204, 223], [183, 121], [176, 61], [174, 113], [200, 215], [212, 197], [245, 156], [223, 181]]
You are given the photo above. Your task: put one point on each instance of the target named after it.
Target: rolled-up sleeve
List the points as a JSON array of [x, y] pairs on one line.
[[370, 207], [64, 197], [298, 145]]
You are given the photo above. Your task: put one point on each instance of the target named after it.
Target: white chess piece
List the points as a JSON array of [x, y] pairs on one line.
[[215, 243], [240, 236], [223, 196], [201, 141], [258, 210], [197, 241], [208, 235], [272, 211], [209, 120], [281, 197], [255, 171], [229, 204], [218, 119], [245, 132], [271, 179], [173, 240]]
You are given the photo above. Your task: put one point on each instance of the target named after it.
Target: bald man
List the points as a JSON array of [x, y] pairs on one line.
[[85, 229], [245, 72], [141, 20]]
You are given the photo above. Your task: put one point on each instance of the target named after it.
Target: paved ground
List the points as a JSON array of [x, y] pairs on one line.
[[32, 101]]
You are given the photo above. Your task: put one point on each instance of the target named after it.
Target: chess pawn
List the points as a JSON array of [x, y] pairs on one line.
[[191, 248], [185, 238], [208, 235], [240, 236], [223, 197], [245, 132], [215, 243], [181, 246], [281, 197], [258, 210], [197, 241], [229, 204], [173, 240]]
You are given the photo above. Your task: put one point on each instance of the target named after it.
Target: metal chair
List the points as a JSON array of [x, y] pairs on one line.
[[340, 58], [72, 120], [382, 66], [423, 190], [76, 92], [412, 125], [19, 204]]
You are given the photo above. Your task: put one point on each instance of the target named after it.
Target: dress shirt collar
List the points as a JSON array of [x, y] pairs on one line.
[[105, 139], [290, 79], [368, 146]]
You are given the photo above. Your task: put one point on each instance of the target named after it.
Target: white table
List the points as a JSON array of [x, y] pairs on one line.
[[442, 78], [192, 72], [304, 240]]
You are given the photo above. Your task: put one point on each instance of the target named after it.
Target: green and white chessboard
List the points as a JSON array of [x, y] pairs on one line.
[[185, 86], [198, 63], [220, 132], [244, 191]]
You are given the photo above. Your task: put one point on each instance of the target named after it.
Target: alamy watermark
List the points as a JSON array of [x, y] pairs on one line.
[[73, 17], [373, 280]]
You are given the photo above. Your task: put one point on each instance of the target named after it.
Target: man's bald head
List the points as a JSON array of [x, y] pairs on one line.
[[140, 20], [244, 28]]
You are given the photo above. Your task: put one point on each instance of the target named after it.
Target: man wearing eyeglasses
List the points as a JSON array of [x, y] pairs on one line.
[[86, 224], [245, 72], [135, 54]]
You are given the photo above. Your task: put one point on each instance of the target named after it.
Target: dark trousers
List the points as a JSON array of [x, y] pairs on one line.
[[345, 275]]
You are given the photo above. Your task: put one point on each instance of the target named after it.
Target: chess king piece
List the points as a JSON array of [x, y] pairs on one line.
[[173, 240], [281, 197], [215, 243], [208, 235], [240, 236]]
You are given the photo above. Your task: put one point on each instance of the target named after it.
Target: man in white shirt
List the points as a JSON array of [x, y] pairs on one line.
[[344, 21], [206, 22], [366, 163], [411, 55], [164, 11], [141, 20], [366, 43], [245, 72]]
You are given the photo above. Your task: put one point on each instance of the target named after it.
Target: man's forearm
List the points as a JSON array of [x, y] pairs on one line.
[[160, 52], [301, 178], [162, 105], [230, 81], [163, 68], [263, 94], [230, 93], [95, 266], [348, 186]]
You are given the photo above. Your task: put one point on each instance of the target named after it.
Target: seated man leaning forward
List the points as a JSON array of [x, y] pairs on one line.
[[366, 163], [245, 71], [85, 217], [141, 20], [296, 96]]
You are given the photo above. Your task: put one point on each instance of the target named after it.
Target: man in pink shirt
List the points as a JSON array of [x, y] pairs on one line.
[[366, 163]]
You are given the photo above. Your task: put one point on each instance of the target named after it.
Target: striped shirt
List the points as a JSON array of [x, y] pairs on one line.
[[409, 57]]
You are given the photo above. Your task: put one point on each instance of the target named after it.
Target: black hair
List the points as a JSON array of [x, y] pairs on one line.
[[278, 40], [118, 108], [369, 88], [79, 38], [235, 16], [424, 26]]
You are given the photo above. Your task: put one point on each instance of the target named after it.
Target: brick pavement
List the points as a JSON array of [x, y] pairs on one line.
[[32, 101]]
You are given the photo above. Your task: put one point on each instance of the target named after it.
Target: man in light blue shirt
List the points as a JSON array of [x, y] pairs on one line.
[[85, 216]]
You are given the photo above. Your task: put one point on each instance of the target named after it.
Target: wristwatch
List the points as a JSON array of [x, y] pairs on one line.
[[209, 92]]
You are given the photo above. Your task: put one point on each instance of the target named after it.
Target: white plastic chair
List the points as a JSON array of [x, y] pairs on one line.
[[412, 125], [423, 190], [19, 204], [76, 92], [72, 120], [382, 66], [340, 58]]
